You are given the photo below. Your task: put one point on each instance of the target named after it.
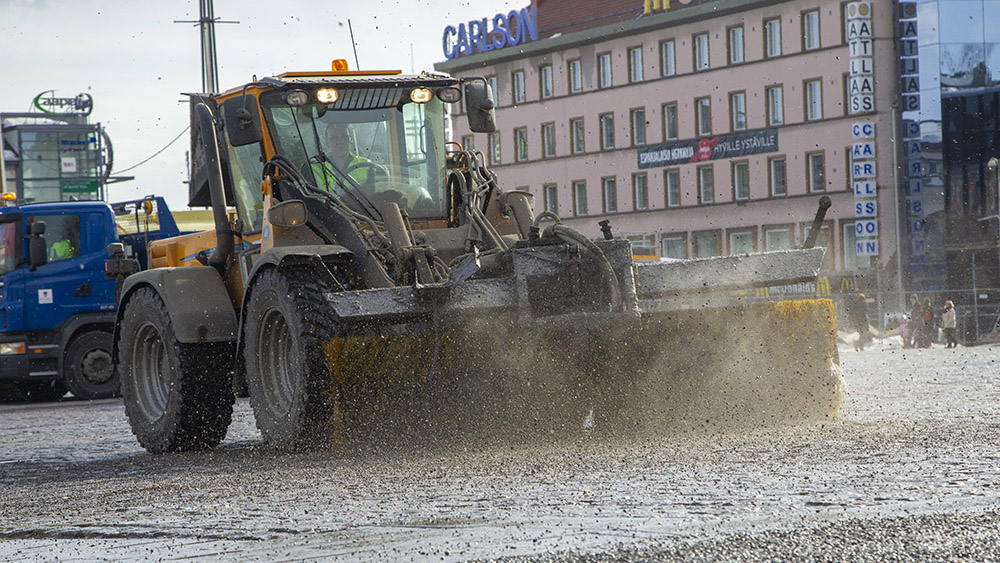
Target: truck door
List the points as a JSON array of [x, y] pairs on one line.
[[11, 277], [56, 290]]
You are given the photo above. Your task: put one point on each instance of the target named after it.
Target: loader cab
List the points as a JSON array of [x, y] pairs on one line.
[[367, 144]]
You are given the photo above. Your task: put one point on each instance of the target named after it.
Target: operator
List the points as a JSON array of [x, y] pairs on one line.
[[340, 158], [61, 250]]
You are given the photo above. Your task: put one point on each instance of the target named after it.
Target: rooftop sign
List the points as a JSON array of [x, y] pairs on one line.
[[490, 34], [82, 103]]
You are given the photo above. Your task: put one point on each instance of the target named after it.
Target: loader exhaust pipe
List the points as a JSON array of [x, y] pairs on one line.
[[223, 234]]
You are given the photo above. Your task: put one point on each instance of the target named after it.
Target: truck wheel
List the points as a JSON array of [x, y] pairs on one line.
[[43, 391], [87, 367], [178, 397], [294, 398]]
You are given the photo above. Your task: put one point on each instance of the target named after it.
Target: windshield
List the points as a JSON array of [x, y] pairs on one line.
[[8, 245], [368, 148]]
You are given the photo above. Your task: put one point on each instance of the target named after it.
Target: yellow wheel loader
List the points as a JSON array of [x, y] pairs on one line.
[[364, 272]]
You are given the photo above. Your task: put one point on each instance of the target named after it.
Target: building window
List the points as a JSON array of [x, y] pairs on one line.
[[548, 140], [810, 30], [777, 239], [816, 173], [775, 106], [672, 247], [575, 77], [851, 259], [521, 144], [638, 117], [604, 70], [494, 89], [635, 64], [545, 81], [706, 185], [736, 45], [469, 142], [518, 81], [642, 245], [668, 59], [640, 192], [776, 176], [610, 192], [738, 110], [703, 115], [672, 178], [741, 242], [579, 198], [670, 121], [576, 129], [814, 99], [608, 131], [494, 146], [741, 181], [700, 44], [551, 193], [772, 38], [706, 244]]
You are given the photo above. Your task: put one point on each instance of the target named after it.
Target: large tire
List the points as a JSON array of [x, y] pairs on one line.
[[87, 367], [295, 400], [178, 397]]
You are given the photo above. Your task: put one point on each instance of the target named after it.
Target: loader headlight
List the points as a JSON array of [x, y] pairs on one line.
[[297, 98], [420, 95], [327, 95], [11, 348], [449, 94]]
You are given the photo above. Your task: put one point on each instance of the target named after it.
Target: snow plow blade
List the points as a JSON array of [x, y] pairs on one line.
[[686, 348]]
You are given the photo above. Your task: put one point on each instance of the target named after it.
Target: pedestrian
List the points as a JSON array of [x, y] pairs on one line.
[[927, 316], [948, 324], [916, 322], [857, 315]]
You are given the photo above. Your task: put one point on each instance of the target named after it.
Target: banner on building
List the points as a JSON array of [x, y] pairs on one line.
[[713, 148]]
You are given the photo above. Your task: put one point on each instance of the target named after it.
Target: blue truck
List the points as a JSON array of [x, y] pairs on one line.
[[57, 308]]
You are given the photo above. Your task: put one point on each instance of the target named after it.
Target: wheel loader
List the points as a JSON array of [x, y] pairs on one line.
[[366, 274]]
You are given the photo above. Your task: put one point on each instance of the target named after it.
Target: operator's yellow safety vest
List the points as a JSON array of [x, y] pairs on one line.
[[61, 250], [326, 176]]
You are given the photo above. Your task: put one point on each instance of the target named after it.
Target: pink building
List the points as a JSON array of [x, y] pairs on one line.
[[697, 127]]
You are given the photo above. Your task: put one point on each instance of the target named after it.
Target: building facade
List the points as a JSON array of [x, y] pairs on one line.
[[700, 128]]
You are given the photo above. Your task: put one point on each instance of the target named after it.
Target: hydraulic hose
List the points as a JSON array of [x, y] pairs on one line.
[[573, 236]]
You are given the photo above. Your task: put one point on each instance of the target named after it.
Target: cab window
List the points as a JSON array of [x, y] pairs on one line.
[[62, 235]]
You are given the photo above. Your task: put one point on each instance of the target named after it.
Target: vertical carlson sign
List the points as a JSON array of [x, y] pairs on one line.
[[861, 100]]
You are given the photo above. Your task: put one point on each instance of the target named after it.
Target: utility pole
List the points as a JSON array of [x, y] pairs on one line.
[[209, 62]]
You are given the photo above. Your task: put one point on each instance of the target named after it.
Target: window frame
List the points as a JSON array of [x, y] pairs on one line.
[[520, 144], [732, 50], [469, 142], [701, 184], [579, 195], [730, 233], [789, 229], [607, 131], [633, 114], [640, 203], [809, 171], [518, 94], [494, 85], [551, 200], [610, 204], [544, 71], [735, 175], [601, 75], [493, 143], [848, 232], [771, 161], [694, 242], [734, 114], [807, 103], [576, 75], [769, 39], [664, 109], [806, 35], [780, 89], [635, 70], [573, 136], [696, 52], [668, 189], [682, 237], [551, 127], [703, 127], [668, 65]]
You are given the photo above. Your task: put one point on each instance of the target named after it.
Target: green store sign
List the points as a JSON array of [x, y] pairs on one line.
[[79, 186]]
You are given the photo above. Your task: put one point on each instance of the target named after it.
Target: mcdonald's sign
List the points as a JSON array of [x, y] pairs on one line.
[[650, 6]]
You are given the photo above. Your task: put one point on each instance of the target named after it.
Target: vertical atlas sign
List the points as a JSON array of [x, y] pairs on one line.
[[490, 34], [861, 100]]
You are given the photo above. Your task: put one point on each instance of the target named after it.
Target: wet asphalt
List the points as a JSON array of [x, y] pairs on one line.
[[910, 471]]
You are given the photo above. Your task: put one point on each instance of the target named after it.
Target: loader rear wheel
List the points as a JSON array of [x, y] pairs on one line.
[[87, 366], [294, 398], [178, 397]]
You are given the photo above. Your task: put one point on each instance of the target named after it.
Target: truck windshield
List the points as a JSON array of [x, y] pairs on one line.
[[367, 152], [8, 245]]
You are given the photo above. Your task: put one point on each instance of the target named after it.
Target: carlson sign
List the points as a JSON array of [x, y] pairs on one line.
[[714, 148], [490, 34], [82, 103]]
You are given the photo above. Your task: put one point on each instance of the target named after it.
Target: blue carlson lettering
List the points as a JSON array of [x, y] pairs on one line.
[[489, 34]]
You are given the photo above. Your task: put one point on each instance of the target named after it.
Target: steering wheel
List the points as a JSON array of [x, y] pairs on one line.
[[376, 168]]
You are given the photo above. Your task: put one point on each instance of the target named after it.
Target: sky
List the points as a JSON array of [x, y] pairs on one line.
[[136, 62]]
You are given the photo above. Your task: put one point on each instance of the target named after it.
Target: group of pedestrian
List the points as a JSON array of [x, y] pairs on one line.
[[918, 330]]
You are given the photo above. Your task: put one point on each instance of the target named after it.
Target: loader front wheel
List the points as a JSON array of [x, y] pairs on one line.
[[294, 398], [178, 397]]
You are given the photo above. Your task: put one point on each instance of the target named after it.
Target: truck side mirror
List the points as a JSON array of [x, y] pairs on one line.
[[37, 253], [242, 120], [479, 103], [288, 214], [116, 250]]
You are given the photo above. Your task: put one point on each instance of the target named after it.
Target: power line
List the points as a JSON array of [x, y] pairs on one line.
[[155, 153]]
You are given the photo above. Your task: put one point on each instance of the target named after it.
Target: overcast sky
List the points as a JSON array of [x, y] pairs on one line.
[[135, 62]]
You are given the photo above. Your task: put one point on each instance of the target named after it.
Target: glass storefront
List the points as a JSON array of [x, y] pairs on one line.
[[57, 162]]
